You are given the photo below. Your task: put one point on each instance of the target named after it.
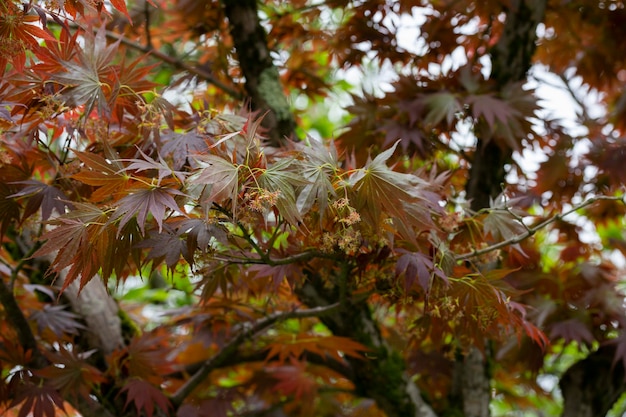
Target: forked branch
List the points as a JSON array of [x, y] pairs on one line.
[[249, 330], [534, 229]]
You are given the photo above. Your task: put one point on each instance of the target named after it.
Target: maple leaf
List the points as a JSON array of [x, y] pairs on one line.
[[146, 358], [379, 189], [13, 353], [218, 277], [74, 238], [168, 246], [103, 173], [42, 195], [115, 247], [143, 201], [200, 233], [277, 273], [40, 400], [572, 330], [441, 106], [147, 163], [70, 374], [493, 109], [180, 146], [319, 165], [220, 176], [56, 53], [66, 238], [17, 34], [85, 80], [294, 380], [534, 333], [502, 225], [484, 300], [277, 178], [145, 396], [502, 119], [133, 81], [398, 130], [417, 266], [56, 318], [120, 5], [287, 347]]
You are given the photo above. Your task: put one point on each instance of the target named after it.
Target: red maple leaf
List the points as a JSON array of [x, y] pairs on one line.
[[145, 396]]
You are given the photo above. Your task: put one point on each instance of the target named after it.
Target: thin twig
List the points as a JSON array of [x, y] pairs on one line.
[[146, 13], [532, 230], [20, 265], [176, 63], [173, 61], [231, 348]]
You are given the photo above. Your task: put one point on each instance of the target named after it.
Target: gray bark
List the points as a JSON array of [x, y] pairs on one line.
[[100, 312]]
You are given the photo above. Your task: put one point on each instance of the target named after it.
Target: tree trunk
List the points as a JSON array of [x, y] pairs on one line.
[[262, 79], [382, 375], [100, 312], [591, 386], [510, 59]]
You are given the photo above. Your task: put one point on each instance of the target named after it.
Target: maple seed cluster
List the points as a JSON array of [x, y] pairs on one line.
[[450, 222], [262, 200], [347, 240], [9, 48], [349, 216]]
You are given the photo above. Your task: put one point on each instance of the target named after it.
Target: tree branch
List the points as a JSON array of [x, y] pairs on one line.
[[382, 377], [532, 230], [249, 330], [511, 58], [21, 326], [176, 63], [27, 340], [591, 386]]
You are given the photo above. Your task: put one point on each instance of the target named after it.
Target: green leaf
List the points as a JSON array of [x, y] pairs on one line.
[[318, 166], [441, 106], [278, 178], [379, 189], [220, 178]]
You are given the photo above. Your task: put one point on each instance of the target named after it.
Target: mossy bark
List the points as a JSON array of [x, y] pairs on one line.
[[382, 375], [263, 84]]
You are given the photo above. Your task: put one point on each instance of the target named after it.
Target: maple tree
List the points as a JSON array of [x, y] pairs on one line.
[[201, 216]]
